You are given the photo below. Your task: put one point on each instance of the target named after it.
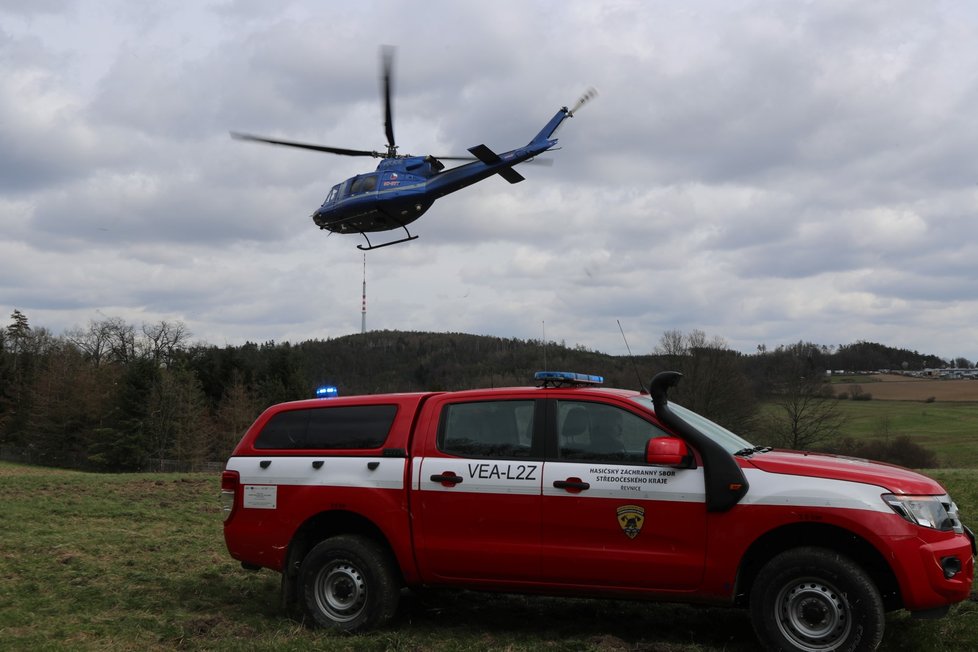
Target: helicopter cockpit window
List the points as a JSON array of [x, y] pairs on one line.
[[367, 183], [332, 195]]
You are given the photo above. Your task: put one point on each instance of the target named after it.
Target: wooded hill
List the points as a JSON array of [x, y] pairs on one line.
[[115, 397], [385, 361]]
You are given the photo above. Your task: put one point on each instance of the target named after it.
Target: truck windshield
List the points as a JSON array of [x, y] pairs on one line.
[[731, 443]]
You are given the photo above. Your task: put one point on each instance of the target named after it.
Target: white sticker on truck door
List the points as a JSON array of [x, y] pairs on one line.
[[260, 496]]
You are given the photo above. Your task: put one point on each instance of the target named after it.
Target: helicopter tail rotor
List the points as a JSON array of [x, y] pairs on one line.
[[589, 95], [551, 127]]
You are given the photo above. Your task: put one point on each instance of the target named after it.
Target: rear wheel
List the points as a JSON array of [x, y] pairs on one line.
[[816, 600], [348, 583]]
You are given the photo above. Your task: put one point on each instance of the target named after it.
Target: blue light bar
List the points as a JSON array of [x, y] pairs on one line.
[[327, 391], [568, 377]]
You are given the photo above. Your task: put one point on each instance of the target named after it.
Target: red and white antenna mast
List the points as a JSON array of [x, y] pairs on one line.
[[363, 301]]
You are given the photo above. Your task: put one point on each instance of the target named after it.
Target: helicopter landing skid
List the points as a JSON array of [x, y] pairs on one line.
[[370, 245]]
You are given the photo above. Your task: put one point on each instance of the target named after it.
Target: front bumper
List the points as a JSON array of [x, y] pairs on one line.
[[938, 573]]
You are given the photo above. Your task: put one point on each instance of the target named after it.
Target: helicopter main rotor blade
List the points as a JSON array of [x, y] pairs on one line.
[[387, 63], [318, 148]]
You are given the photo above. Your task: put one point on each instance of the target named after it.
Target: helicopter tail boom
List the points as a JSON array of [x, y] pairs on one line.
[[551, 126]]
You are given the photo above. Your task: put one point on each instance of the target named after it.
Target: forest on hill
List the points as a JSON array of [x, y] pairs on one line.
[[115, 396]]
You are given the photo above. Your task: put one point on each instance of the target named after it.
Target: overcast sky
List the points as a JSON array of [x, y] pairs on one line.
[[765, 172]]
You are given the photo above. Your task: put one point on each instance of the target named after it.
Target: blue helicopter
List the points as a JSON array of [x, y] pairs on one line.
[[404, 187]]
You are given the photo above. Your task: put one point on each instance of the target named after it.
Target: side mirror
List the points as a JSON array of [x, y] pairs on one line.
[[668, 451]]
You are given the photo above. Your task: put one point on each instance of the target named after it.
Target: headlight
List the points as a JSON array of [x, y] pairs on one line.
[[935, 512]]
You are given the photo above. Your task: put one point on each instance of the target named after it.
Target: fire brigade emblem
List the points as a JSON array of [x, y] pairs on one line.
[[631, 518]]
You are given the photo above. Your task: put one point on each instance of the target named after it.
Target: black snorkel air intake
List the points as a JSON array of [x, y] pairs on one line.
[[725, 481]]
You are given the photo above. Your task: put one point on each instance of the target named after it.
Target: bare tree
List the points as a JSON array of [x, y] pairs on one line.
[[94, 340], [676, 343], [714, 383], [121, 340], [805, 414], [165, 339]]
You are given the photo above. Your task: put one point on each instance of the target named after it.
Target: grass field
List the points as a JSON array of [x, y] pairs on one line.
[[940, 415], [137, 562], [950, 429]]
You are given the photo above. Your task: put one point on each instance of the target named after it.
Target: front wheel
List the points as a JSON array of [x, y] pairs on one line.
[[348, 583], [816, 600]]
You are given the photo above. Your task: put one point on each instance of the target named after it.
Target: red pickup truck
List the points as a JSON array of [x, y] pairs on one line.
[[570, 488]]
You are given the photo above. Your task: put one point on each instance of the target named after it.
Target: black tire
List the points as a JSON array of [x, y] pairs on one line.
[[816, 600], [348, 583]]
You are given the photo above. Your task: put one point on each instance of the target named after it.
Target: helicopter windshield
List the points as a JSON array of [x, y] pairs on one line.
[[333, 195]]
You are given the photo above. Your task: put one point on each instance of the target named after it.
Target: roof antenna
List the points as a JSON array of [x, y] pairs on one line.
[[632, 358], [543, 326]]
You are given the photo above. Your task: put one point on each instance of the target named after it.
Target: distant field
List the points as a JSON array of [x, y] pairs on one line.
[[941, 415], [901, 388], [948, 428], [137, 562]]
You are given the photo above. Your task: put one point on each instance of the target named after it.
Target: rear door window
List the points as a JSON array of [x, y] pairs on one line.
[[494, 429], [340, 427]]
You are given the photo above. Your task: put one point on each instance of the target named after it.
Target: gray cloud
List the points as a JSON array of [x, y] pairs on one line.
[[765, 172]]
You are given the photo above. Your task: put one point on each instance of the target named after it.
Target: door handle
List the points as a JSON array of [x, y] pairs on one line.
[[447, 478], [572, 484]]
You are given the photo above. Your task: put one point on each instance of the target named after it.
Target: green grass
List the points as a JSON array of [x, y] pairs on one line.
[[137, 562], [950, 429]]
